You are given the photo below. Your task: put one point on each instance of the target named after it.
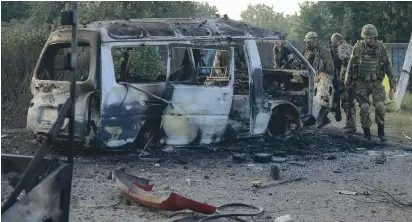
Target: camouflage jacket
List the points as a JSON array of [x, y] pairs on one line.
[[320, 59], [380, 67], [344, 51]]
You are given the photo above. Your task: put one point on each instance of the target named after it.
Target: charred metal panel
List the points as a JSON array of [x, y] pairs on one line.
[[124, 30], [200, 113], [50, 95], [260, 109], [43, 202], [197, 111], [124, 109], [240, 112], [137, 29], [192, 30]]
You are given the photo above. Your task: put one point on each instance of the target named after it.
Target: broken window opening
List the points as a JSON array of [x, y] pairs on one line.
[[289, 82], [140, 64], [208, 67], [47, 70], [241, 85]]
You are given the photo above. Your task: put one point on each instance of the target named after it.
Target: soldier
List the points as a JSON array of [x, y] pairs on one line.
[[366, 70], [343, 51], [321, 60]]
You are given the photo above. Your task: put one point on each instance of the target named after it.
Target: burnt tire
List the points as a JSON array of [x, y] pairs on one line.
[[279, 124]]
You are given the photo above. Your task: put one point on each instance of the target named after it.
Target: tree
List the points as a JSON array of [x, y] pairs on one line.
[[13, 10], [265, 16], [325, 18], [95, 11]]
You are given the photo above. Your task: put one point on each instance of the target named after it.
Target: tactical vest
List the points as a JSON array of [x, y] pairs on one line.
[[369, 67]]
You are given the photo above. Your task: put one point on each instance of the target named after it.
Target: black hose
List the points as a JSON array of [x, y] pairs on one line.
[[219, 215]]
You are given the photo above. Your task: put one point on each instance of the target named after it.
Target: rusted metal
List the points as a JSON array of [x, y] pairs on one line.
[[136, 188]]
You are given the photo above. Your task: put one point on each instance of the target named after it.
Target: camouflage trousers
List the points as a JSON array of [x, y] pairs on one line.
[[323, 91], [363, 91], [349, 104]]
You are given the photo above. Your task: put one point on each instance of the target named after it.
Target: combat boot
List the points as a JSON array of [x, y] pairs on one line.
[[367, 133], [381, 133]]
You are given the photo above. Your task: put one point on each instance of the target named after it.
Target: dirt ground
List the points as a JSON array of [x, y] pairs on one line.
[[327, 159]]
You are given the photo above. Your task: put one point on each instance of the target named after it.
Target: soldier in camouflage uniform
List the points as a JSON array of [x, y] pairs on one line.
[[343, 51], [366, 70], [321, 60]]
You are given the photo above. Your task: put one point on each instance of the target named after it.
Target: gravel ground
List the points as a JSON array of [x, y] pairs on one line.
[[328, 161]]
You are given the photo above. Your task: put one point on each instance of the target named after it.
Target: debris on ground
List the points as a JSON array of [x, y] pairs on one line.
[[122, 169], [290, 180], [284, 218], [257, 183], [182, 160], [381, 159], [278, 159], [275, 172], [361, 149], [346, 192], [239, 157], [330, 157], [137, 189], [263, 158], [4, 136], [279, 153]]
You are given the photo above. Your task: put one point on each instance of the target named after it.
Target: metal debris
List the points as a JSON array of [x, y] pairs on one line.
[[275, 172], [381, 159], [239, 157], [262, 157], [346, 192], [278, 159]]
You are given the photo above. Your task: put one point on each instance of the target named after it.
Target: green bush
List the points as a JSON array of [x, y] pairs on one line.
[[21, 44]]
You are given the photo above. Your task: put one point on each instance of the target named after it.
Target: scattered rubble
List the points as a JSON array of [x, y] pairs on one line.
[[257, 183], [381, 159], [239, 157], [284, 218], [330, 157], [262, 158], [346, 192], [278, 159], [275, 172]]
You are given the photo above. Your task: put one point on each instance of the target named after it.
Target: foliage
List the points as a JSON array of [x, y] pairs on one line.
[[325, 18], [265, 16], [144, 62]]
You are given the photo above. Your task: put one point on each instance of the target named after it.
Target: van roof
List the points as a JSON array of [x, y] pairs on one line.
[[180, 29]]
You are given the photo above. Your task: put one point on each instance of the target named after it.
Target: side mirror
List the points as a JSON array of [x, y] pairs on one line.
[[63, 62]]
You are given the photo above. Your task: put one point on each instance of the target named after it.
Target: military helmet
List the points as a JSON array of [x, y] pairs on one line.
[[369, 31], [310, 35]]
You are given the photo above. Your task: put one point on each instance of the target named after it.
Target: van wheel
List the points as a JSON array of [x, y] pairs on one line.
[[279, 124]]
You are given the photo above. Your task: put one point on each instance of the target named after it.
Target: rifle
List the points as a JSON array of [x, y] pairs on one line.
[[288, 62], [335, 97]]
